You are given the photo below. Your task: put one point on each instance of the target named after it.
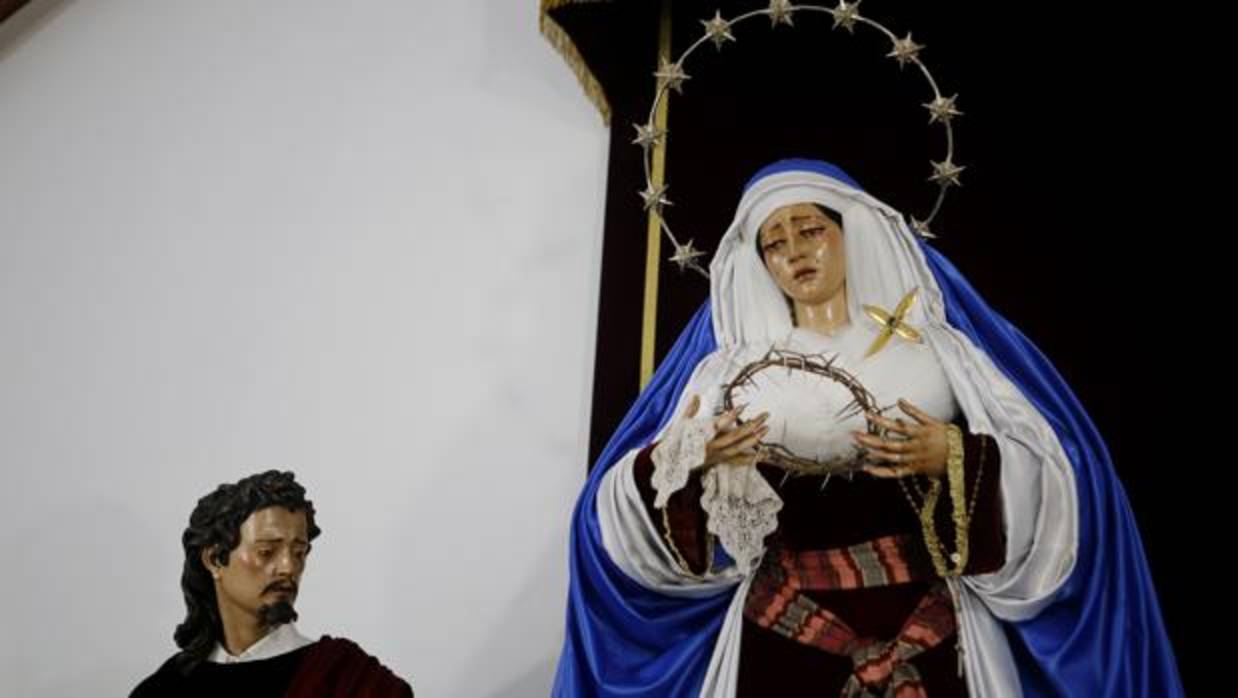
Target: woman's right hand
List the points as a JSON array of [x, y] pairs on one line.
[[735, 445]]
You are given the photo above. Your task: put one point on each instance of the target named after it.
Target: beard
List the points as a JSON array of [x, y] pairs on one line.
[[278, 613]]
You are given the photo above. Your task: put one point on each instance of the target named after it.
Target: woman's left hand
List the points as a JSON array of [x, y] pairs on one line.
[[917, 448]]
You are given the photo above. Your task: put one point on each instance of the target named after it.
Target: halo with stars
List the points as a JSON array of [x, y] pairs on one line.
[[718, 31]]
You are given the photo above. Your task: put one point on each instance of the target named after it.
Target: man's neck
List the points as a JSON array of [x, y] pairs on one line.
[[242, 633]]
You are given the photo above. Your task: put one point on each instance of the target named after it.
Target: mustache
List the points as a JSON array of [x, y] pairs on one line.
[[281, 585]]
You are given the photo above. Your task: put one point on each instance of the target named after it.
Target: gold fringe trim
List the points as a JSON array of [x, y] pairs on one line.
[[563, 43]]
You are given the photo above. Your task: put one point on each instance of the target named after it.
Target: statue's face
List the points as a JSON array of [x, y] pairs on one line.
[[266, 566], [803, 250]]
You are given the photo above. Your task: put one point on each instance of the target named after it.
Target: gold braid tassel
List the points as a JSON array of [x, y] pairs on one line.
[[958, 502]]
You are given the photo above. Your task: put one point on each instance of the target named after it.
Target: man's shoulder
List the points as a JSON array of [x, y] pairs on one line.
[[333, 658], [339, 647], [168, 677]]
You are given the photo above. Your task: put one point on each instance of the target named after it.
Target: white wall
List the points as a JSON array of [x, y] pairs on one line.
[[358, 240]]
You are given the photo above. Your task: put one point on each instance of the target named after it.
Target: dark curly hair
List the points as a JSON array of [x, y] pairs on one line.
[[216, 523]]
